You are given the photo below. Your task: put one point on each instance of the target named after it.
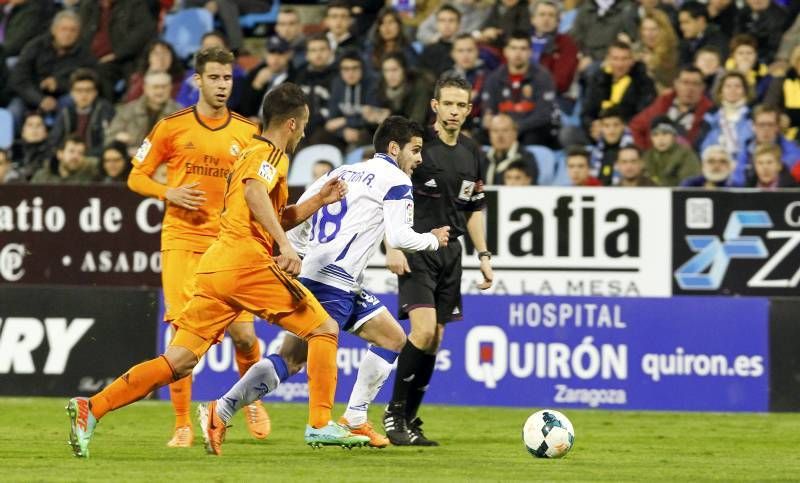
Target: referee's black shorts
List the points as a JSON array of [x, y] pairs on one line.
[[434, 282]]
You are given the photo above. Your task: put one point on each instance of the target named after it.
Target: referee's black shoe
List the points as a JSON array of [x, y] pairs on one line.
[[394, 422], [417, 436]]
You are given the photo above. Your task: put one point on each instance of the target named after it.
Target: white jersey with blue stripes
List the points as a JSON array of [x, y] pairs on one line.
[[337, 242]]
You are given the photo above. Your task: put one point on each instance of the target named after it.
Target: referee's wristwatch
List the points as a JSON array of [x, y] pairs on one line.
[[484, 254]]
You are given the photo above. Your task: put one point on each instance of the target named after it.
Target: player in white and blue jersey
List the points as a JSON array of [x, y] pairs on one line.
[[336, 244]]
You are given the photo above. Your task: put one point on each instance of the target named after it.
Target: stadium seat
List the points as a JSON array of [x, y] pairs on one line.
[[546, 161], [300, 171], [185, 28], [251, 20], [6, 128], [561, 176], [356, 155]]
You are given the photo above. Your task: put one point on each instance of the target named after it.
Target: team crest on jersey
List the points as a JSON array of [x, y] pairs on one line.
[[467, 187], [141, 153], [267, 171], [409, 212], [235, 149]]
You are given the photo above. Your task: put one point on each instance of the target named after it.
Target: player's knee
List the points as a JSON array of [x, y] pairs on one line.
[[396, 341], [423, 338], [244, 342], [329, 327], [181, 360]]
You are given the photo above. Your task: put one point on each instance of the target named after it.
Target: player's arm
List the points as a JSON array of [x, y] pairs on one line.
[[257, 198], [398, 219], [318, 196]]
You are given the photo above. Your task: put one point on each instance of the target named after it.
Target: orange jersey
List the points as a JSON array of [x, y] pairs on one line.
[[243, 242], [195, 149]]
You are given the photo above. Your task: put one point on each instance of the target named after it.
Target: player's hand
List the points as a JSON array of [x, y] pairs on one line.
[[442, 234], [288, 261], [332, 191], [396, 262], [186, 196], [486, 271]]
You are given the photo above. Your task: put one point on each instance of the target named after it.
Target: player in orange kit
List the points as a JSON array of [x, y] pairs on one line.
[[241, 272], [199, 145]]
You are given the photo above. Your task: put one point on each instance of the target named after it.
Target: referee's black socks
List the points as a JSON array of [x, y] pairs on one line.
[[414, 371]]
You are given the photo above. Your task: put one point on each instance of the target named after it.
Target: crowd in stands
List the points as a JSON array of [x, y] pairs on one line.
[[570, 92]]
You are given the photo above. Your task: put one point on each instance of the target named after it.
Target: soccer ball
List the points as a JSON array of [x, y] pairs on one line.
[[548, 434]]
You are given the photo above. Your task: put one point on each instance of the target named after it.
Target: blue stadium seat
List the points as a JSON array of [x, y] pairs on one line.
[[6, 128], [561, 177], [546, 161], [251, 20], [356, 155], [185, 28], [300, 172]]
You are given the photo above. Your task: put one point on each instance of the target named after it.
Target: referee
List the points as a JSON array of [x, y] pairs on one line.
[[448, 190]]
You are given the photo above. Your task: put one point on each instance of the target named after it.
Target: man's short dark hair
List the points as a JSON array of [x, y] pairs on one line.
[[74, 138], [84, 74], [632, 147], [464, 36], [578, 150], [621, 45], [212, 54], [318, 37], [695, 10], [520, 165], [451, 80], [691, 70], [397, 129], [449, 8], [518, 35], [351, 55], [282, 103], [613, 111], [342, 4]]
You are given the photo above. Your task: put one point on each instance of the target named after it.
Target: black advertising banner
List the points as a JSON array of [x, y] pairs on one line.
[[784, 365], [736, 243], [72, 341]]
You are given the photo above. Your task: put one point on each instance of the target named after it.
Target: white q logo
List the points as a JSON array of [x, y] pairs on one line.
[[11, 262], [486, 354]]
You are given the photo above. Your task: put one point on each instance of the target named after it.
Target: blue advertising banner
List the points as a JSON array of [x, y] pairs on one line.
[[681, 353]]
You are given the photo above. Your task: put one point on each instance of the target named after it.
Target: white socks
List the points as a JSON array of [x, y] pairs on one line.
[[372, 373], [258, 381]]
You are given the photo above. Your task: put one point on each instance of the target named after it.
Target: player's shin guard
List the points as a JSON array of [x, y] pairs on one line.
[[180, 393], [419, 385], [262, 378], [408, 364], [321, 369], [372, 373], [135, 384]]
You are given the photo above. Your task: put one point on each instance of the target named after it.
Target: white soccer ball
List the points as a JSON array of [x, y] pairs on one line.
[[548, 434]]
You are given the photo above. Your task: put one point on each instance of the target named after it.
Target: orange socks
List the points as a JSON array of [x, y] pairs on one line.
[[135, 384], [180, 393], [321, 369], [244, 360]]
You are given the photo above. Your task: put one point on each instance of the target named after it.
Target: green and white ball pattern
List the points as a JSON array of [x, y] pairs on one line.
[[548, 434]]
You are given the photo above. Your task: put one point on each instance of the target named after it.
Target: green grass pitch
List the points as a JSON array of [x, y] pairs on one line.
[[478, 444]]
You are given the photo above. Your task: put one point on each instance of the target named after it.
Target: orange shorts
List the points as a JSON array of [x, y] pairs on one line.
[[221, 297], [177, 279]]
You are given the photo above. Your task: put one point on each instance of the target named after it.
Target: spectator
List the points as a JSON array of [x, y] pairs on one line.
[[71, 166], [290, 29], [338, 21], [320, 169], [766, 127], [473, 15], [228, 13], [387, 37], [31, 151], [729, 125], [115, 31], [505, 18], [505, 150], [135, 119], [717, 168], [765, 20], [709, 62], [784, 92], [5, 91], [578, 167], [468, 64], [658, 49], [637, 13], [770, 173], [669, 162], [273, 71], [21, 21], [8, 171], [698, 33], [42, 72], [189, 93], [744, 59], [598, 24], [790, 40], [436, 57], [685, 106], [525, 92], [86, 116], [159, 56], [115, 164], [350, 93], [622, 82], [723, 13], [315, 79], [516, 174], [613, 136], [400, 91], [630, 167], [554, 51]]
